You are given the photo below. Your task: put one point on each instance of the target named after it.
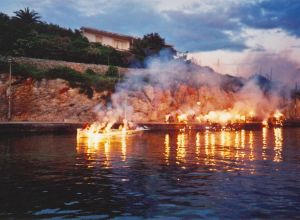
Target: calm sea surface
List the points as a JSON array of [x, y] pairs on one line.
[[234, 175]]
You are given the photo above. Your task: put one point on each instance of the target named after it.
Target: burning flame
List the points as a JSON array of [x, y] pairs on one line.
[[182, 118], [226, 117], [97, 132]]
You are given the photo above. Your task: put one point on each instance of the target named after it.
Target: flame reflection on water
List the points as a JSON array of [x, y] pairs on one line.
[[264, 143], [216, 150], [107, 153], [124, 147], [181, 147], [278, 144], [167, 148]]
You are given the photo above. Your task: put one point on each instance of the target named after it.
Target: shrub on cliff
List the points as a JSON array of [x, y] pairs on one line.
[[87, 82], [66, 73], [23, 71], [112, 71]]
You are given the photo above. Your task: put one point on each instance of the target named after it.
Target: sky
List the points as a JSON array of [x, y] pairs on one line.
[[232, 36]]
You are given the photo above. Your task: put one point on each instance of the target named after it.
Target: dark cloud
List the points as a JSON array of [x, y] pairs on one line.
[[270, 14], [258, 48], [204, 31]]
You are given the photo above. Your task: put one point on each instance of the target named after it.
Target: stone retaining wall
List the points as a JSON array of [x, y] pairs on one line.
[[80, 67]]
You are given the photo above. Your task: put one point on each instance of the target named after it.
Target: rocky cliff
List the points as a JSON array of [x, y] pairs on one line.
[[47, 100]]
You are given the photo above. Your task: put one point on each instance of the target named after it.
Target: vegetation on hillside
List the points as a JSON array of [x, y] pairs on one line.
[[88, 82], [25, 35], [151, 45]]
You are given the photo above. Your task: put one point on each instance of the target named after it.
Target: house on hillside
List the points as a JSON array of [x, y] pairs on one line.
[[117, 41]]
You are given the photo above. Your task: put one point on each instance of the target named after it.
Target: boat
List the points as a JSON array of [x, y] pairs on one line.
[[86, 133]]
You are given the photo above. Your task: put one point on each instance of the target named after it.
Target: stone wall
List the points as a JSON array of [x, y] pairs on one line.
[[80, 67]]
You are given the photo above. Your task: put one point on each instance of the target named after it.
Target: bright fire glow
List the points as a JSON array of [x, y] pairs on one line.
[[226, 117], [97, 132], [182, 118]]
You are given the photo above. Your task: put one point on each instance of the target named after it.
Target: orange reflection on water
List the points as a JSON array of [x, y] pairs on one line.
[[251, 155], [198, 145], [181, 144], [88, 146], [167, 148], [237, 145], [223, 140], [278, 139], [212, 151], [228, 138], [107, 153], [213, 143], [243, 138], [229, 150], [264, 143], [206, 143], [103, 148], [124, 147]]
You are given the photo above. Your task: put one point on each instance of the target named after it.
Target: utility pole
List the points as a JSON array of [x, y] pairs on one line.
[[9, 90]]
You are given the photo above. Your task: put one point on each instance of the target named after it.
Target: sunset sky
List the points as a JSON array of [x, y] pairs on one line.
[[229, 35]]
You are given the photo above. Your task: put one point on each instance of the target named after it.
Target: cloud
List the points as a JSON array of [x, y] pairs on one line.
[[258, 48], [204, 31], [270, 14]]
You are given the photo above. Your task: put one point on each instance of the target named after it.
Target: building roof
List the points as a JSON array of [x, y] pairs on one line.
[[106, 33]]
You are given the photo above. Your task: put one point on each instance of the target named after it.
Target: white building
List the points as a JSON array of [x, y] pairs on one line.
[[117, 41]]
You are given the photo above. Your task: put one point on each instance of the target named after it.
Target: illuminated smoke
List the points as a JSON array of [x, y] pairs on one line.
[[173, 88]]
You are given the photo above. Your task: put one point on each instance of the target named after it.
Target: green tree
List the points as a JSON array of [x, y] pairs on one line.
[[6, 38], [150, 45], [27, 16]]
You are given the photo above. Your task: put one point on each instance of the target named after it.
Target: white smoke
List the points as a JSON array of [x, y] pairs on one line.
[[175, 87], [278, 67]]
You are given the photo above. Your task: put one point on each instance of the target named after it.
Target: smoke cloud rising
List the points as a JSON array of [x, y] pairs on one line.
[[174, 88], [280, 67]]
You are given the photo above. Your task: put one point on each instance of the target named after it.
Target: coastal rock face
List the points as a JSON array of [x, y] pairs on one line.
[[56, 101], [152, 103], [48, 100]]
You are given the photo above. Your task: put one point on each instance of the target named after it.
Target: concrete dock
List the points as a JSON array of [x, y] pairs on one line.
[[71, 127], [38, 127]]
